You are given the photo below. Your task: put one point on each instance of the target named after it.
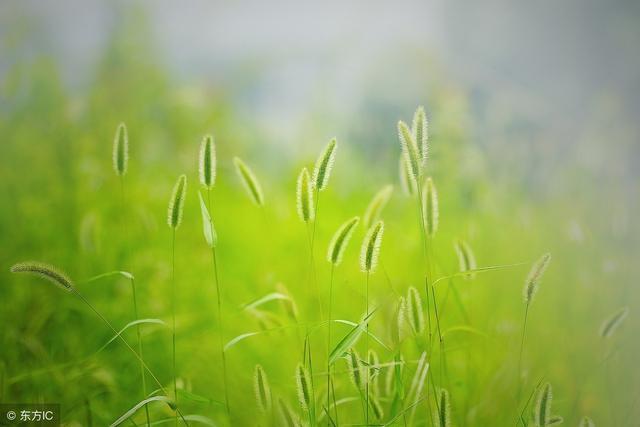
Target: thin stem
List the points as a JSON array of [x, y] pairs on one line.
[[173, 314], [524, 329], [312, 272], [329, 387], [366, 380], [142, 374], [220, 321], [135, 304]]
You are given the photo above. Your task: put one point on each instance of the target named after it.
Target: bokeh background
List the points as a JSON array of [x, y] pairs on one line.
[[534, 147]]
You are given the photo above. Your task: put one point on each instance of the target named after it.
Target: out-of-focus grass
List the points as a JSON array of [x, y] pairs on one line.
[[60, 203]]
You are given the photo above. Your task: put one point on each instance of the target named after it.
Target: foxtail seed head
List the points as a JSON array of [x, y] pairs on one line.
[[444, 409], [419, 130], [370, 249], [207, 162], [303, 384], [410, 150], [249, 181], [542, 413], [304, 197], [324, 164], [612, 323], [356, 372], [340, 240], [176, 203], [379, 201], [45, 271], [121, 150], [415, 314], [430, 207], [534, 277], [262, 389]]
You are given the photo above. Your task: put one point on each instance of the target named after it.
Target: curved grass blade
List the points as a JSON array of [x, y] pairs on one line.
[[131, 412]]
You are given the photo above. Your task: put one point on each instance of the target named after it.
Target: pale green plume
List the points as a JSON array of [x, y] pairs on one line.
[[207, 162], [444, 409], [304, 196], [249, 181], [419, 130], [407, 182], [121, 150], [370, 249], [430, 207], [303, 384], [356, 371], [534, 277], [415, 314], [209, 231], [324, 164], [45, 271], [410, 150], [379, 201], [340, 240], [176, 203], [542, 412], [612, 323], [466, 259], [262, 389]]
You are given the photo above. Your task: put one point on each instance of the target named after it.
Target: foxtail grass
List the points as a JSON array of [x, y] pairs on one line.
[[120, 165], [444, 409], [121, 150], [62, 281], [174, 219], [369, 253], [262, 390], [335, 253], [305, 392], [207, 168], [613, 322], [530, 289]]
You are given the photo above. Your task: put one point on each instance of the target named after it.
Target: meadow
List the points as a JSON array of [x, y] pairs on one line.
[[203, 289]]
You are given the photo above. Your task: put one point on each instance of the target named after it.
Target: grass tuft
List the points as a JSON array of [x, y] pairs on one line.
[[304, 197], [371, 248]]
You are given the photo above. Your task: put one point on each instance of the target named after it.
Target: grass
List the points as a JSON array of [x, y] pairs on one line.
[[62, 210]]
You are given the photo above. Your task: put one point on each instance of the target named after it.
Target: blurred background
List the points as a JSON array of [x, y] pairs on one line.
[[533, 113]]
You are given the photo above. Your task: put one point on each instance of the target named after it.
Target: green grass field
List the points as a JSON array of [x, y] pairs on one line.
[[64, 204]]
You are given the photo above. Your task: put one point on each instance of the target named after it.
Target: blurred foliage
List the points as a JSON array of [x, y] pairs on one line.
[[62, 204]]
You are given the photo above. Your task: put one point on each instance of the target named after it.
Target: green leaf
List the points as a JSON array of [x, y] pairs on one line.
[[208, 229], [349, 340], [239, 338], [197, 398], [265, 299], [131, 412], [129, 325]]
